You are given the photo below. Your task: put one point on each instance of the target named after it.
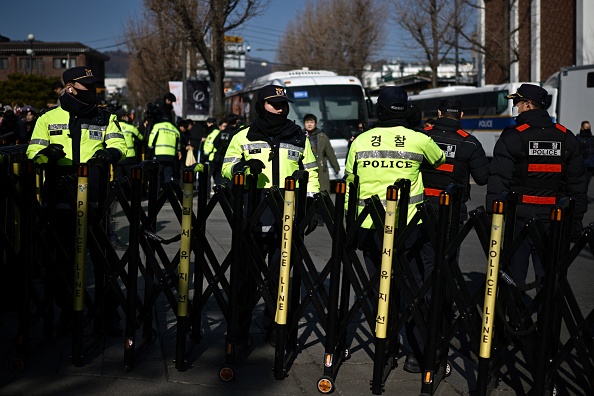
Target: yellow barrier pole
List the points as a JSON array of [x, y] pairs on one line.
[[284, 277], [383, 304], [285, 264], [80, 252], [184, 269], [488, 319]]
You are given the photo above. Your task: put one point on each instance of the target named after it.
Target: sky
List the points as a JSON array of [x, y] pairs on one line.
[[102, 23]]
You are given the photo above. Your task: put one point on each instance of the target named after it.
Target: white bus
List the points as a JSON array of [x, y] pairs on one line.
[[337, 101], [487, 111]]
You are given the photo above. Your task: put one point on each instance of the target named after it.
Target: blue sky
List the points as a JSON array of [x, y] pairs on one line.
[[100, 24]]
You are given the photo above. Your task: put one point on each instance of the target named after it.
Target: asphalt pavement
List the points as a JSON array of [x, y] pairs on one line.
[[48, 369]]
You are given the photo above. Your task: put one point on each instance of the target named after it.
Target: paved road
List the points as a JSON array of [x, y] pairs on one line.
[[48, 371]]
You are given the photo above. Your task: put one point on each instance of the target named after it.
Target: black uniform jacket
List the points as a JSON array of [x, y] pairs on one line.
[[532, 142], [465, 156]]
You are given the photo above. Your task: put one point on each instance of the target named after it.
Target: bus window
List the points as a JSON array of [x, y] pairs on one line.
[[339, 108], [502, 101]]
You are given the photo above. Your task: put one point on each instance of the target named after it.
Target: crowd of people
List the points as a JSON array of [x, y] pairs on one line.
[[537, 158]]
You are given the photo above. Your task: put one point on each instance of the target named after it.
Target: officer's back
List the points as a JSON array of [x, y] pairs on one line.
[[536, 158], [464, 155]]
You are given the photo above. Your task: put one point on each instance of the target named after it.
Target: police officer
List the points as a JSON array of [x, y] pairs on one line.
[[63, 138], [381, 155], [390, 151], [132, 137], [164, 143], [221, 143], [272, 147], [541, 161], [463, 152]]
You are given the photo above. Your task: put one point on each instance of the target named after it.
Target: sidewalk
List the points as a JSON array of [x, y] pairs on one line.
[[49, 370]]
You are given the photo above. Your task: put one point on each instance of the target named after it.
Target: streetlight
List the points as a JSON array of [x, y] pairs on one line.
[[31, 38]]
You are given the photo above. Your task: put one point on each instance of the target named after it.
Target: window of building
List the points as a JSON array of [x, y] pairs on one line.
[[64, 63], [28, 63], [3, 63]]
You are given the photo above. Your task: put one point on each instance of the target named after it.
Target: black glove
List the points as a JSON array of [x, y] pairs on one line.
[[103, 155], [53, 152], [255, 166], [313, 223]]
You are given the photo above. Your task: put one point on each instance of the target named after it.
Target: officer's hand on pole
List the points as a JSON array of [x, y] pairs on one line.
[[53, 152], [103, 155], [255, 166]]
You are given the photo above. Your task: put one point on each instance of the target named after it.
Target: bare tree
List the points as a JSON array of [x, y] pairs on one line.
[[338, 35], [497, 48], [154, 46], [432, 24], [203, 23]]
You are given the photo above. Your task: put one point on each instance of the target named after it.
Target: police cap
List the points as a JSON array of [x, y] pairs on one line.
[[531, 92], [393, 98], [273, 94], [450, 105], [79, 74]]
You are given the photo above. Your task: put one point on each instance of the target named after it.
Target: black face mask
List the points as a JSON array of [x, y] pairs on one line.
[[88, 97], [74, 104], [587, 131]]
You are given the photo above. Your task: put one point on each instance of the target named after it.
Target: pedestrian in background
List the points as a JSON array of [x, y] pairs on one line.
[[586, 141], [322, 149]]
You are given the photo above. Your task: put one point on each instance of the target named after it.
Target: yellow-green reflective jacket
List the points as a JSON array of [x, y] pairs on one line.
[[131, 133], [53, 127], [209, 148], [165, 139], [293, 153], [383, 155]]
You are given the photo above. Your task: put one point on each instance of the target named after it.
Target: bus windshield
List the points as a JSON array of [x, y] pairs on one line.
[[339, 108]]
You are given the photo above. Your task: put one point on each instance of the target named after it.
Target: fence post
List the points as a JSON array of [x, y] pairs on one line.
[[203, 195], [82, 206], [381, 321], [326, 383], [134, 251], [488, 319], [184, 269], [284, 277], [543, 383], [437, 296], [237, 261]]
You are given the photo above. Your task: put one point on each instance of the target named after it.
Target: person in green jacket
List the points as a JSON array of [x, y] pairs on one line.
[[322, 149]]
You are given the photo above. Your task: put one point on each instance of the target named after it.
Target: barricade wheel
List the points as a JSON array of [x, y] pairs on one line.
[[226, 373], [448, 370], [326, 385], [17, 364]]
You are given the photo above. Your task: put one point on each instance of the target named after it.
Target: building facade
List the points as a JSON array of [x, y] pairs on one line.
[[539, 36], [48, 59]]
